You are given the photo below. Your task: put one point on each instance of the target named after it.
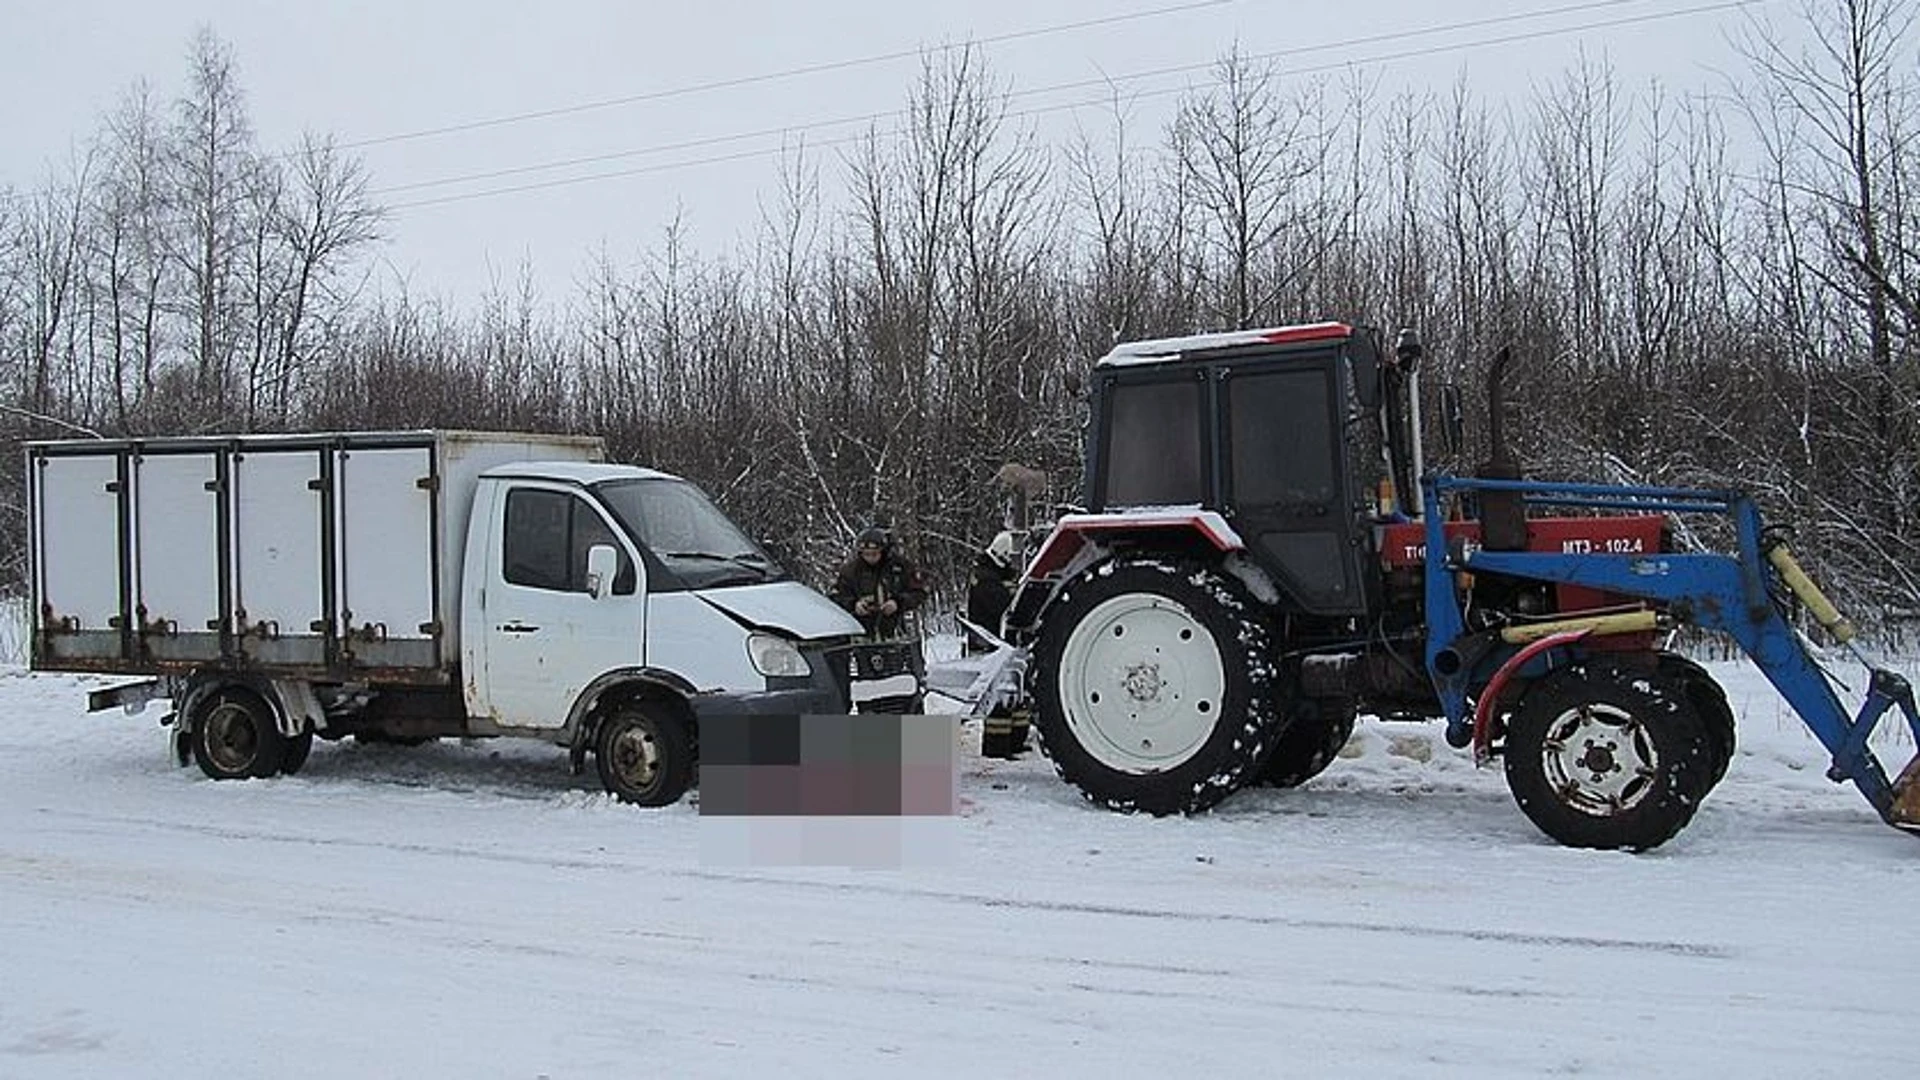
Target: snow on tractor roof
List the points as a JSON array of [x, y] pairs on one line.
[[1161, 349]]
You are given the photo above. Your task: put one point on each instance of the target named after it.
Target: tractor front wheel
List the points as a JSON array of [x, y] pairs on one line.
[[1709, 704], [1602, 758]]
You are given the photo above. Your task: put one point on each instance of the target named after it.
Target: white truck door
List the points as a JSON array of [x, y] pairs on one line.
[[547, 637], [176, 555], [279, 609], [77, 511], [385, 545]]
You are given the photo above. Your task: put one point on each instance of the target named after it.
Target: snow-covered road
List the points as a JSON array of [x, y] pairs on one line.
[[473, 911]]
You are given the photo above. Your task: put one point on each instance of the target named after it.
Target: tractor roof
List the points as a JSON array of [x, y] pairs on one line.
[[1161, 350]]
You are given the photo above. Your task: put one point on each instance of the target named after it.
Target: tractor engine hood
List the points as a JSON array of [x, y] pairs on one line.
[[786, 606]]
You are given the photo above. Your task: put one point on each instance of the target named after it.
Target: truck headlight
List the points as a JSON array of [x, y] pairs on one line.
[[776, 657]]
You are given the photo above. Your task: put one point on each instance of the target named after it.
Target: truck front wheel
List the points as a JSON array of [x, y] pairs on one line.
[[1154, 686], [235, 735], [645, 755]]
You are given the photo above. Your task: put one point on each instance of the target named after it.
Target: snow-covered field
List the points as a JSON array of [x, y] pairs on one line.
[[473, 911]]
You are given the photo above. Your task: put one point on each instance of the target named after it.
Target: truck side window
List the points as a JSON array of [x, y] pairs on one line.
[[545, 542], [535, 539]]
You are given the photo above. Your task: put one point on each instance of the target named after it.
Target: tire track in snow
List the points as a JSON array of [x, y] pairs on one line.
[[1479, 935]]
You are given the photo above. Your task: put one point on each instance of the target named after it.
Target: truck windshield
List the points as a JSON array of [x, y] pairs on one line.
[[687, 533]]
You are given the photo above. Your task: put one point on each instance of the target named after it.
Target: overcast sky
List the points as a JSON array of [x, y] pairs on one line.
[[365, 70]]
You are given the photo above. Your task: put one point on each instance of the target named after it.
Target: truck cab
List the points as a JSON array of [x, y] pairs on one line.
[[579, 574]]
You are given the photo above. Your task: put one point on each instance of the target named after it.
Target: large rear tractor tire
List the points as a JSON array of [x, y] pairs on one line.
[[236, 736], [1602, 758], [1310, 743], [1709, 704], [1154, 686], [645, 755]]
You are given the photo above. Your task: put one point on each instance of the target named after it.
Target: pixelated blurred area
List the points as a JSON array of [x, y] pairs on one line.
[[865, 790]]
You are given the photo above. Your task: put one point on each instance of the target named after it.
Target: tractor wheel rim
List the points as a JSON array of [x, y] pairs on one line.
[[232, 741], [1141, 683], [636, 758], [1600, 759]]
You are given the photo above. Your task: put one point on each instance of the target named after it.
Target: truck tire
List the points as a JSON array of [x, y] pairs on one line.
[[1709, 704], [644, 755], [1154, 686], [298, 748], [235, 735], [1601, 758], [1313, 737]]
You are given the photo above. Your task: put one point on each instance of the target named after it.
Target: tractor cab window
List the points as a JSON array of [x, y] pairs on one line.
[[1283, 450], [1154, 444]]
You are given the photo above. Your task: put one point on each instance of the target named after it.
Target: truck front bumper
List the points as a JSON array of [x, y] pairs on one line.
[[798, 701]]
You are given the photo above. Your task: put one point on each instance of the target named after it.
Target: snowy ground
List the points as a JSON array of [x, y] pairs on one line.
[[473, 911]]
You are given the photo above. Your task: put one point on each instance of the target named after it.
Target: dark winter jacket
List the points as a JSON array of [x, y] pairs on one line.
[[892, 578], [989, 591]]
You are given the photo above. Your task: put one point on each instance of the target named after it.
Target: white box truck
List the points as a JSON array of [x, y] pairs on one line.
[[405, 586]]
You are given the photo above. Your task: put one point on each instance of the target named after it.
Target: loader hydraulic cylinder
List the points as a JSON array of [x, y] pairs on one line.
[[1796, 579]]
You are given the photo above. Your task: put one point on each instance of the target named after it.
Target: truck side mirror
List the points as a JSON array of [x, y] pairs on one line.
[[602, 561]]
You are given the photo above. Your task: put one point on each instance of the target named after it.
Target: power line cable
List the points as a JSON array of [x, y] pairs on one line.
[[719, 84], [1384, 58], [773, 76], [1371, 39]]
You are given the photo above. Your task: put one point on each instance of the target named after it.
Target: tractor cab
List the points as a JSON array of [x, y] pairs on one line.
[[1279, 432]]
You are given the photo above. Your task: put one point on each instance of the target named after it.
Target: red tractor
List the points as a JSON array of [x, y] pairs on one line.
[[1245, 581]]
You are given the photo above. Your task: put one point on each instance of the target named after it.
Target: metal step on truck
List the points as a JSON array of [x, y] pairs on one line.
[[405, 586], [1244, 578]]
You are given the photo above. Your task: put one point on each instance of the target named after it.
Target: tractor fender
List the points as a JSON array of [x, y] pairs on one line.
[[1079, 541], [1489, 700]]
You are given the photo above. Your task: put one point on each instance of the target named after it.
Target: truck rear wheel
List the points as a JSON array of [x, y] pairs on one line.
[[236, 736], [298, 748], [1600, 758], [1154, 686], [1312, 739], [645, 755]]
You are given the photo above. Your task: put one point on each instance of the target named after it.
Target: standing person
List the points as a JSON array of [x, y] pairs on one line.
[[1003, 731], [879, 584], [990, 587]]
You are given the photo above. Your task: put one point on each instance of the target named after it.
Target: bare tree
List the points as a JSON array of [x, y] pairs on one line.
[[1836, 117], [129, 235], [1242, 148], [213, 172]]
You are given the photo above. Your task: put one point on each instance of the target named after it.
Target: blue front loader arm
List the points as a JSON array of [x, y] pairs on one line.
[[1730, 593]]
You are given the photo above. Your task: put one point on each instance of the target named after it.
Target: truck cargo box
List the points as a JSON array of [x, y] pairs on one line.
[[325, 555]]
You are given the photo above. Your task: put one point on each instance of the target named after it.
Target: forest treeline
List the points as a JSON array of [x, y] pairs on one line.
[[1714, 287]]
